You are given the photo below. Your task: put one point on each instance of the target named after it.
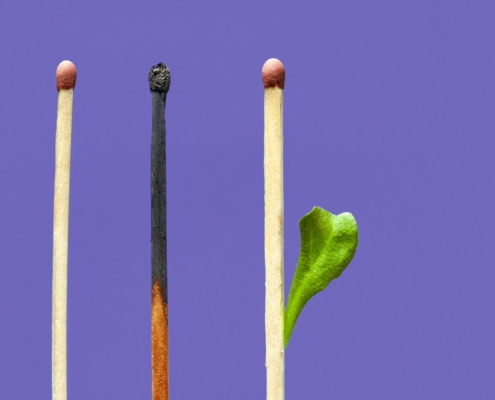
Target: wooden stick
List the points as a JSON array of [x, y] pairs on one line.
[[66, 81], [273, 79], [159, 80]]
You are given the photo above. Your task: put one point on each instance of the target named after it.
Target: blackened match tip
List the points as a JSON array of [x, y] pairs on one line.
[[273, 73], [66, 75], [159, 78]]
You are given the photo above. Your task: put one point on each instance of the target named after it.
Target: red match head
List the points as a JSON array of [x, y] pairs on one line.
[[66, 75], [273, 73]]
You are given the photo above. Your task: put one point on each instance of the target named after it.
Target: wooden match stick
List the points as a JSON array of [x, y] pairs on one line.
[[66, 81], [159, 80], [273, 73]]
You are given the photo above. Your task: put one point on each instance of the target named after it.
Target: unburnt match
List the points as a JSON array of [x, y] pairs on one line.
[[66, 81], [273, 73], [159, 81]]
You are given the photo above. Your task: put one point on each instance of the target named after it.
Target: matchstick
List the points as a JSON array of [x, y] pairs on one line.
[[273, 73], [159, 80], [66, 81]]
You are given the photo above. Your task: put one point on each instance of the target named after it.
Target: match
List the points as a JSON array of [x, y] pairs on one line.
[[66, 81], [273, 74], [159, 81]]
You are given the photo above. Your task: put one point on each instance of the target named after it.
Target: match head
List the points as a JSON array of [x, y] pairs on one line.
[[66, 75], [159, 78], [273, 73]]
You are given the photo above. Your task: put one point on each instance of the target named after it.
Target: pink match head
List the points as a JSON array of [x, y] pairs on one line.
[[66, 75], [273, 73]]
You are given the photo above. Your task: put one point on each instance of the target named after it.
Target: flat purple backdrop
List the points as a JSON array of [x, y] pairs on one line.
[[389, 114]]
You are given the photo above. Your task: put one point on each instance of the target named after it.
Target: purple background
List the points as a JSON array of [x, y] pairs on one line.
[[389, 114]]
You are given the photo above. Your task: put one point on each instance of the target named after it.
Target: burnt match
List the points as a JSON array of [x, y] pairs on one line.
[[66, 81], [159, 81]]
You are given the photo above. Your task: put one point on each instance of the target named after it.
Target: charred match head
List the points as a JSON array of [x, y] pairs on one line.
[[159, 78], [273, 73], [66, 75]]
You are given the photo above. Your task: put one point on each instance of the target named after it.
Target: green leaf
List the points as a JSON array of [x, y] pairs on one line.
[[328, 243]]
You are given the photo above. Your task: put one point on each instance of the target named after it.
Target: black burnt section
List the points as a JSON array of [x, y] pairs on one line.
[[159, 78]]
